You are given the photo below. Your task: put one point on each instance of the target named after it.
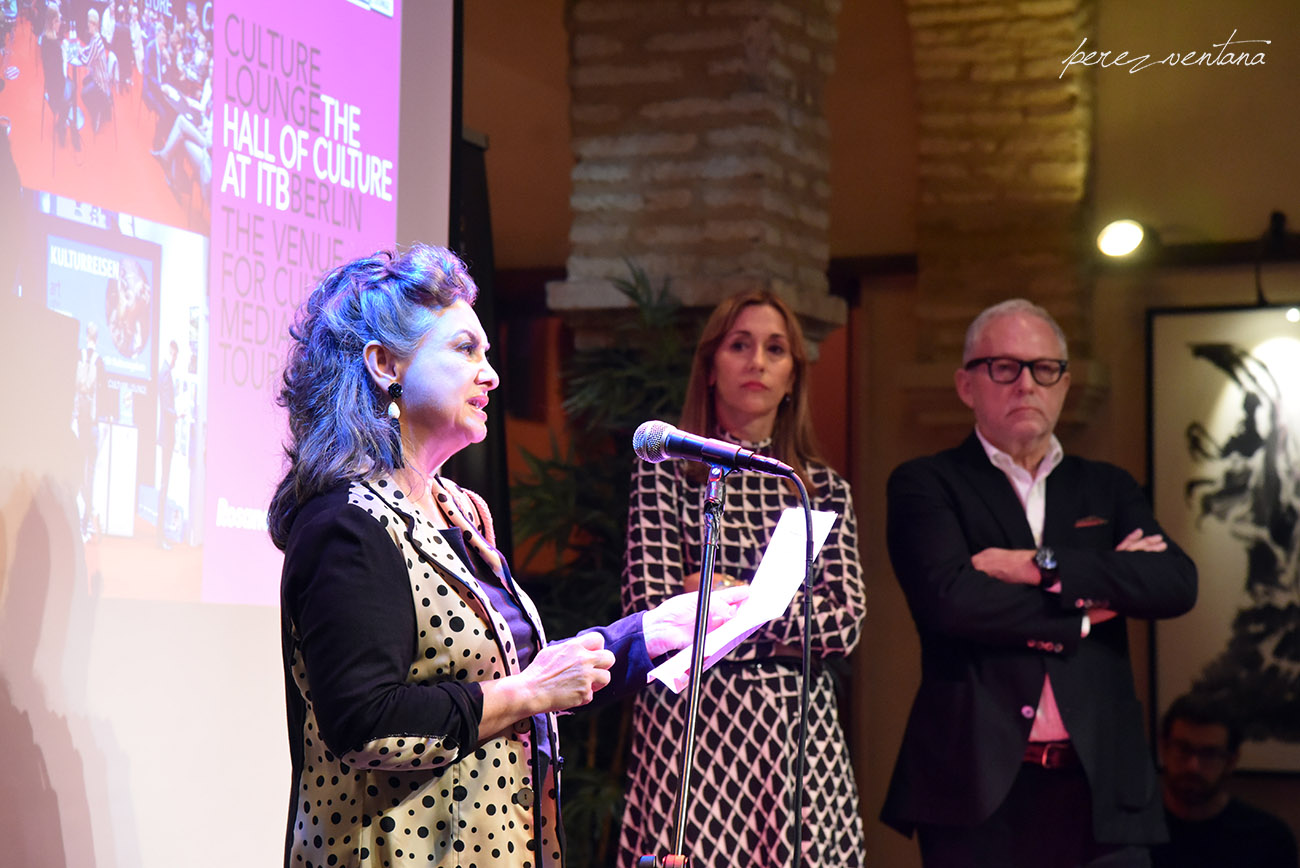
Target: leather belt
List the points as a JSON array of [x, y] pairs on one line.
[[1051, 754]]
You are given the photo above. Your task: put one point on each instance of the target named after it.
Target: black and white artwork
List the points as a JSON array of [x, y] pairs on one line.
[[1225, 469]]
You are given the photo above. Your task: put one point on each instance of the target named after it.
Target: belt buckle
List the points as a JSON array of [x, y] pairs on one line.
[[1054, 755]]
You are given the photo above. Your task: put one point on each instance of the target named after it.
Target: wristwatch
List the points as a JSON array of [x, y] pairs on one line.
[[1045, 560]]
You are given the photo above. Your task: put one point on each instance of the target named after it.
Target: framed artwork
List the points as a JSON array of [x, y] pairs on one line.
[[1224, 403]]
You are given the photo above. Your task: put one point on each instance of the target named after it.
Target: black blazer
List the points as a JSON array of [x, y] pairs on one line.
[[986, 644]]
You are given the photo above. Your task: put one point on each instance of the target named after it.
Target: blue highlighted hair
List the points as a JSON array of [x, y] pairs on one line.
[[338, 427]]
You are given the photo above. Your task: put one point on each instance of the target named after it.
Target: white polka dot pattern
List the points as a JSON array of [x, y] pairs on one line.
[[417, 798]]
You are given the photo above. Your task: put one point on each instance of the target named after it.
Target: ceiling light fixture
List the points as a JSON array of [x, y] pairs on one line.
[[1121, 237]]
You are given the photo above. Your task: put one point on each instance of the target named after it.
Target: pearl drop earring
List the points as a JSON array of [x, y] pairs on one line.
[[394, 392]]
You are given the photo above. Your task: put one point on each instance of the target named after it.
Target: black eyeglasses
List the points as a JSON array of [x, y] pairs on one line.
[[1005, 370]]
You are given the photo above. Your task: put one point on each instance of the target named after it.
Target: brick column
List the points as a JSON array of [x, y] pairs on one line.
[[702, 153], [1004, 157]]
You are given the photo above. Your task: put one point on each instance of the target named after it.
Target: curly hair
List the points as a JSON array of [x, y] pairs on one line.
[[338, 429], [793, 438]]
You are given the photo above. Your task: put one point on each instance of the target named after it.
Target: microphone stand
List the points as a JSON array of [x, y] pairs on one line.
[[713, 504]]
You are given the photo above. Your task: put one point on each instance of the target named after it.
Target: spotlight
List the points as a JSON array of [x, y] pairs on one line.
[[1293, 314], [1120, 237]]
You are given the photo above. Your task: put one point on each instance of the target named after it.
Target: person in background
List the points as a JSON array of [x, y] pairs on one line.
[[107, 32], [96, 94], [421, 688], [157, 70], [1025, 746], [136, 32], [1200, 745], [166, 436], [748, 385], [90, 379], [188, 144], [8, 23], [120, 43], [58, 89]]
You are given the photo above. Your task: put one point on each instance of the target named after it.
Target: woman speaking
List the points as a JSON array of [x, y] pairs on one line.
[[421, 688]]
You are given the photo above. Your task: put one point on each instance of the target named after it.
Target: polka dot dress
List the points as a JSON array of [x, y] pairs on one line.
[[423, 790], [749, 708]]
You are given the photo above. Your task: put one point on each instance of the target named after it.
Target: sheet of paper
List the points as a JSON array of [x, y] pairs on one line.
[[778, 576]]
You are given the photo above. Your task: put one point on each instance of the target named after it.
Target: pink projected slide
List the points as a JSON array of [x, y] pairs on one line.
[[189, 170], [304, 157]]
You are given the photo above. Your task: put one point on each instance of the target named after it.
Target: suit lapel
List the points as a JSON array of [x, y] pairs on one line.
[[992, 487], [439, 553], [442, 556], [1063, 498]]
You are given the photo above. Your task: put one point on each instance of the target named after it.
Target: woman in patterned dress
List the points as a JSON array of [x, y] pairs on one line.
[[420, 686], [748, 385]]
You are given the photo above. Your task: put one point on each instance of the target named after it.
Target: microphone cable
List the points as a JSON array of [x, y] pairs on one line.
[[804, 690]]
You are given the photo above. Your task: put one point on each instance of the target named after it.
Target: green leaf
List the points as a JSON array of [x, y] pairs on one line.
[[575, 500]]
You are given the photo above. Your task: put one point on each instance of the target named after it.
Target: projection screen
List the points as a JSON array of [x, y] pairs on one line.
[[156, 236]]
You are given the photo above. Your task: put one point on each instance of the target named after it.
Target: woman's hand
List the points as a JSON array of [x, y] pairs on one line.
[[567, 674], [671, 625], [562, 675]]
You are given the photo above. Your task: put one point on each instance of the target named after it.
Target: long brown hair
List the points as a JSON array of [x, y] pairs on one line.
[[793, 439]]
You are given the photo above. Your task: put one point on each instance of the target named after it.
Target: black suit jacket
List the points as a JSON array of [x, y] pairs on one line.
[[986, 644]]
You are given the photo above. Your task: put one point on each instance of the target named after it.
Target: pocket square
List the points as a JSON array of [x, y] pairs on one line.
[[1091, 521]]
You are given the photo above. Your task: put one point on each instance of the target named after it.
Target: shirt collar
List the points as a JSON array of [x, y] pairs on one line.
[[1004, 462]]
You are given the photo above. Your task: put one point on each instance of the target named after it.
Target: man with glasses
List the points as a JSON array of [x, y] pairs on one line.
[[1200, 743], [1021, 565]]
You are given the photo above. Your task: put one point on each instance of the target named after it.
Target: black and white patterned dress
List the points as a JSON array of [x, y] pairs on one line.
[[749, 706]]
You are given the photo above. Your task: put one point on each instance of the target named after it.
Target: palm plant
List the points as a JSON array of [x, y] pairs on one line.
[[575, 502]]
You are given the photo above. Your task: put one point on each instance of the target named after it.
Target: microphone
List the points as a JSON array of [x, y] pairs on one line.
[[658, 441]]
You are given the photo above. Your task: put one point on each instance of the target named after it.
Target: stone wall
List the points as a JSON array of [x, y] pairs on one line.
[[1004, 159], [701, 146], [1004, 144]]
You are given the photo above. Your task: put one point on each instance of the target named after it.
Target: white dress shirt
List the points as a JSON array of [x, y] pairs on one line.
[[1032, 491]]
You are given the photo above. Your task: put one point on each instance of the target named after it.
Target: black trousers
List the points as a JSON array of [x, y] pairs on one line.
[[1045, 822]]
